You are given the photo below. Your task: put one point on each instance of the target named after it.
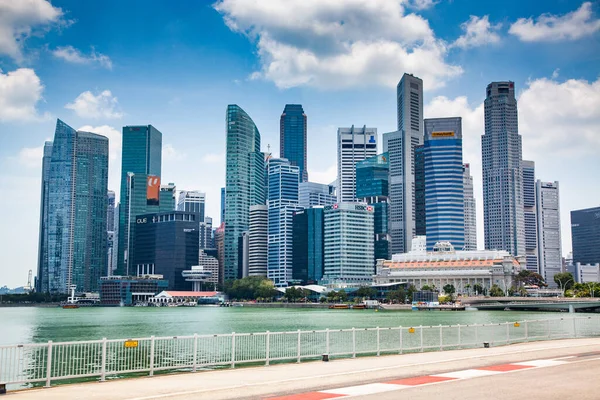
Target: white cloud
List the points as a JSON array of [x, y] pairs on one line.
[[422, 4], [478, 32], [115, 142], [31, 157], [337, 43], [169, 153], [19, 19], [20, 91], [103, 105], [552, 28], [324, 176], [72, 55]]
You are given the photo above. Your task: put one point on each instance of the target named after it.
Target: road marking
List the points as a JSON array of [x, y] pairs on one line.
[[420, 380], [542, 363], [308, 396], [468, 373], [370, 388]]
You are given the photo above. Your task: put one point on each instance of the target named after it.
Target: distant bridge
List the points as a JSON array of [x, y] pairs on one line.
[[536, 305]]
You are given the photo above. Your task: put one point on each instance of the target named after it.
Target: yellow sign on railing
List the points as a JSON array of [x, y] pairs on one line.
[[131, 343], [411, 330], [517, 324]]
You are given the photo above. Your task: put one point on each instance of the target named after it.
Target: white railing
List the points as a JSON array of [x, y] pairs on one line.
[[42, 363]]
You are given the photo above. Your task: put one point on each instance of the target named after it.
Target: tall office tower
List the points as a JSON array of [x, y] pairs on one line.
[[114, 261], [348, 244], [110, 232], [258, 240], [206, 238], [210, 264], [292, 137], [503, 210], [192, 201], [548, 226], [282, 202], [167, 197], [585, 232], [76, 211], [315, 194], [470, 210], [244, 254], [308, 246], [41, 282], [140, 186], [222, 204], [420, 215], [245, 185], [530, 216], [444, 189], [220, 244], [400, 146], [354, 145], [110, 211], [372, 185]]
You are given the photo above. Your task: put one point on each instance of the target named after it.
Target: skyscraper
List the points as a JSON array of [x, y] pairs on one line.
[[308, 246], [354, 145], [503, 210], [400, 146], [372, 187], [192, 201], [166, 199], [258, 240], [110, 233], [42, 277], [205, 233], [282, 202], [140, 186], [245, 184], [315, 194], [470, 210], [222, 205], [530, 216], [76, 213], [444, 190], [110, 211], [585, 231], [548, 227], [292, 137]]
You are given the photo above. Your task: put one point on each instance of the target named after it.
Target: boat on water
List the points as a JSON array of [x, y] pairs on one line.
[[339, 306], [71, 300]]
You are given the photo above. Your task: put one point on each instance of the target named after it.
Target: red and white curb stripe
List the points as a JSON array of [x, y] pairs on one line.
[[399, 384]]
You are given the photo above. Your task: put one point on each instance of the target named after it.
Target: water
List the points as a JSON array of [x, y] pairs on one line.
[[34, 325]]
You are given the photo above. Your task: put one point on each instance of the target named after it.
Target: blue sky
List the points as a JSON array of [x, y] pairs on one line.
[[100, 65]]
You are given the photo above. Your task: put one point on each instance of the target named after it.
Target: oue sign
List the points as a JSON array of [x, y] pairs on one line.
[[142, 220]]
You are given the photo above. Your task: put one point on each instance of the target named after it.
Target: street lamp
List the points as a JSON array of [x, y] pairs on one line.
[[591, 286], [563, 288]]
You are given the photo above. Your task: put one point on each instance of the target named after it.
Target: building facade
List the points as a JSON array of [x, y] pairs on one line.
[[444, 190], [192, 201], [74, 252], [167, 197], [258, 240], [222, 205], [308, 248], [354, 145], [129, 290], [548, 230], [292, 138], [282, 203], [220, 244], [312, 194], [501, 147], [209, 264], [349, 248], [530, 216], [244, 183], [470, 210], [206, 235], [585, 233], [140, 186], [42, 269]]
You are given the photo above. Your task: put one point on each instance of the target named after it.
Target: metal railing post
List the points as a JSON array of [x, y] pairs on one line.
[[195, 368], [353, 343], [476, 335], [151, 355], [49, 364], [401, 344], [421, 329], [232, 349], [378, 340], [268, 347], [299, 346], [327, 341], [526, 331], [103, 366], [459, 341], [441, 338], [548, 327]]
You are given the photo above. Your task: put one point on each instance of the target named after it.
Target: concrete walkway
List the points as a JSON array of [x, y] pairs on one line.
[[260, 382]]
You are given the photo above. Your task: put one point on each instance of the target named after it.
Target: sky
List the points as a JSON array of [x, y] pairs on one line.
[[101, 65]]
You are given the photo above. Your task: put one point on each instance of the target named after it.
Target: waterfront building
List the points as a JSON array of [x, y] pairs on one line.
[[372, 187], [222, 205], [503, 210], [585, 273], [444, 190], [205, 234], [308, 251], [75, 249], [585, 233], [258, 240], [315, 194], [244, 183], [400, 146], [530, 216], [182, 297], [548, 230], [354, 145], [128, 290], [282, 203], [292, 138], [220, 244], [210, 263], [461, 268], [140, 186], [349, 249], [470, 210], [166, 244], [192, 201], [41, 283]]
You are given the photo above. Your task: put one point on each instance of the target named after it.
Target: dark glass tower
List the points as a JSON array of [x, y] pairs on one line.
[[308, 249], [42, 278], [585, 230], [292, 137], [140, 185]]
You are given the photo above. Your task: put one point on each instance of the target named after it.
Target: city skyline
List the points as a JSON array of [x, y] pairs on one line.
[[101, 99]]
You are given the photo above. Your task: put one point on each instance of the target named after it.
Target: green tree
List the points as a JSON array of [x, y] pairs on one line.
[[478, 289], [564, 280], [495, 291], [398, 295], [410, 291], [426, 288], [366, 292], [292, 294], [467, 287], [449, 289], [528, 278]]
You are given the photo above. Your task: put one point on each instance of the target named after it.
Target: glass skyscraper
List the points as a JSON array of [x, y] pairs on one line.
[[245, 183], [315, 194], [470, 210], [444, 190], [192, 201], [585, 231], [354, 145], [74, 249], [548, 230], [140, 186], [530, 216], [292, 137], [308, 248], [42, 278], [282, 202]]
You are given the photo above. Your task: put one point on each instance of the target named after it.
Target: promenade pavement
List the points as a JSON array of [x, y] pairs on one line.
[[288, 379]]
